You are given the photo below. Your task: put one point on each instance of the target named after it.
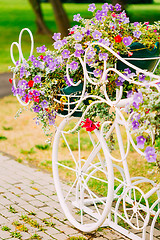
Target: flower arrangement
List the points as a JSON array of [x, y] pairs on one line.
[[42, 79]]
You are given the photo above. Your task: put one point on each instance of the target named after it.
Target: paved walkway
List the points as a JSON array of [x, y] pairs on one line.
[[29, 207], [5, 86], [28, 201]]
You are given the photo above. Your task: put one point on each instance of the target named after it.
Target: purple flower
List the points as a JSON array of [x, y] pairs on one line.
[[73, 65], [32, 58], [136, 117], [58, 44], [135, 24], [64, 41], [104, 13], [127, 41], [91, 53], [14, 91], [98, 15], [78, 53], [150, 154], [135, 125], [105, 7], [78, 46], [65, 53], [36, 108], [136, 105], [142, 77], [56, 36], [88, 32], [52, 66], [97, 72], [126, 20], [96, 34], [105, 42], [119, 81], [92, 7], [48, 59], [78, 36], [110, 7], [41, 49], [51, 119], [129, 93], [77, 17], [138, 97], [118, 7], [103, 56], [37, 79], [23, 84], [22, 71], [36, 63], [44, 104], [137, 34], [127, 71], [36, 93], [67, 81], [20, 92], [140, 141]]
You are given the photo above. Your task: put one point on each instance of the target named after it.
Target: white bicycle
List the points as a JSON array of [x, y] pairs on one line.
[[92, 190]]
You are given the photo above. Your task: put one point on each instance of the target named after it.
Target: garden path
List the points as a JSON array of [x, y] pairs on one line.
[[29, 206], [5, 86]]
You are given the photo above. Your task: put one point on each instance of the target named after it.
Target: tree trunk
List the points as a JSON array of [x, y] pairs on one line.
[[121, 2], [61, 18], [41, 26]]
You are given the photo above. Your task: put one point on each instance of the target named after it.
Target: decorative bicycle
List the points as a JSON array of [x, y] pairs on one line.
[[96, 192]]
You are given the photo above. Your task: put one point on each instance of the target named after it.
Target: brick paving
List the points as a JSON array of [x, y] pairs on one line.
[[29, 207]]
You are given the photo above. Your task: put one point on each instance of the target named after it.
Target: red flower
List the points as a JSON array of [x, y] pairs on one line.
[[27, 99], [118, 39], [36, 99], [47, 110], [71, 33], [147, 111], [30, 83], [11, 80], [130, 54], [41, 56], [114, 15], [89, 125]]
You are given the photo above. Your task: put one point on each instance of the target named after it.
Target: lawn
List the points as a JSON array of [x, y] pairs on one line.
[[15, 16]]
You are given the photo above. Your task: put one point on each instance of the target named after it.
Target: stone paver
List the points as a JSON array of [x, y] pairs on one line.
[[29, 206]]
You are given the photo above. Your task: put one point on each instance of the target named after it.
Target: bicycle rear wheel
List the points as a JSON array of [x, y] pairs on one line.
[[84, 180]]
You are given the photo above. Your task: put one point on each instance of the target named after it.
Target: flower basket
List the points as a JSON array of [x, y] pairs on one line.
[[138, 50], [72, 94]]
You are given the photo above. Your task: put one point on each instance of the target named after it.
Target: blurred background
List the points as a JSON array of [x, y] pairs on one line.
[[44, 17]]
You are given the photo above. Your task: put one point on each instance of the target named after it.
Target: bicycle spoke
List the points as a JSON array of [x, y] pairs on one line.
[[71, 189], [137, 220], [90, 192], [69, 149], [131, 216], [141, 216]]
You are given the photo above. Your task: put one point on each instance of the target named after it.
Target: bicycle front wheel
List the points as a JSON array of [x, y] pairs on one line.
[[83, 177]]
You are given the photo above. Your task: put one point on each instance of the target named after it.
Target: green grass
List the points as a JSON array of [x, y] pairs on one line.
[[31, 151], [43, 146], [17, 14], [3, 138]]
